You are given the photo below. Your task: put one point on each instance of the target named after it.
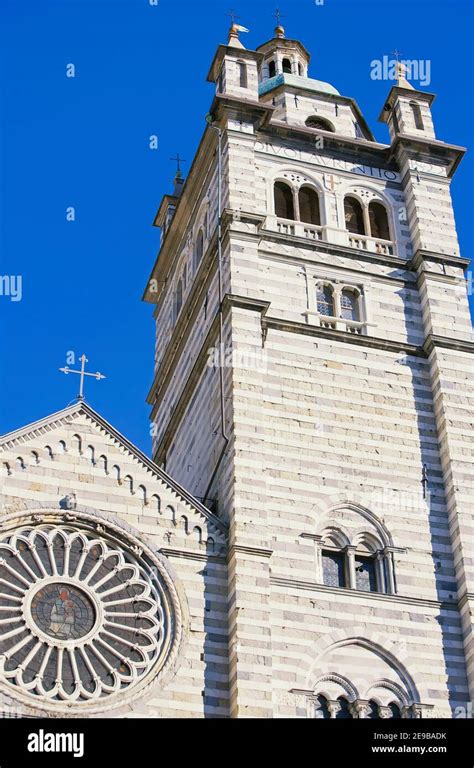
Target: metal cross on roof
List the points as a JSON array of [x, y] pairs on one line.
[[397, 54], [82, 373], [179, 160], [278, 16], [233, 15]]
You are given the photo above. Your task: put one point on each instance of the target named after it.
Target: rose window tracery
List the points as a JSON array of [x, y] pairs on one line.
[[82, 617]]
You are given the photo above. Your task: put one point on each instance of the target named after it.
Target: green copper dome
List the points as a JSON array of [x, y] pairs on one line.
[[319, 86]]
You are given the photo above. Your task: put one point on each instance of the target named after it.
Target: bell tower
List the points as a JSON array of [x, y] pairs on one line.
[[312, 385]]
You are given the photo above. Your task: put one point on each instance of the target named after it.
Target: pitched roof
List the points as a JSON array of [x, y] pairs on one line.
[[36, 428]]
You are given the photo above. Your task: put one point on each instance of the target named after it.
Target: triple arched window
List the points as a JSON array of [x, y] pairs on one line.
[[369, 221], [297, 205], [342, 709]]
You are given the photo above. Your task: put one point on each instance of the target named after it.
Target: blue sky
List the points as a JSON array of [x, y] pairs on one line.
[[84, 142]]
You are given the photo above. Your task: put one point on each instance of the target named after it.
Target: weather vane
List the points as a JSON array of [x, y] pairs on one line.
[[82, 373], [179, 160], [397, 55]]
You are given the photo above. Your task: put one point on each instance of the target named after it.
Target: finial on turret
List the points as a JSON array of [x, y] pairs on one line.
[[279, 29], [401, 71], [234, 31]]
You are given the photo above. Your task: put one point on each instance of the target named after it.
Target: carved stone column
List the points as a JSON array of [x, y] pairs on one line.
[[359, 709], [350, 565]]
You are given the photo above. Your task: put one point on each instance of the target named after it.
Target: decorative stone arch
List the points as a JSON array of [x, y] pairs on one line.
[[371, 539], [392, 689], [390, 651], [382, 530], [295, 180], [335, 535], [321, 686]]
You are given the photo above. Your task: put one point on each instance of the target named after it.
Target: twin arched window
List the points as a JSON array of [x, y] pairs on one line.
[[372, 222], [302, 206], [345, 304], [352, 567]]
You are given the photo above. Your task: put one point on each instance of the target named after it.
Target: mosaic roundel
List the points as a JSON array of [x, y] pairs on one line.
[[63, 611], [83, 616]]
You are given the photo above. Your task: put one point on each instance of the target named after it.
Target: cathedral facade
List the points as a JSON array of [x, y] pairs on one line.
[[300, 544]]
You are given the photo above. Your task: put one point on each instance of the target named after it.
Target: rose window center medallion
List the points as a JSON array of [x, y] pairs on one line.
[[86, 613], [63, 611]]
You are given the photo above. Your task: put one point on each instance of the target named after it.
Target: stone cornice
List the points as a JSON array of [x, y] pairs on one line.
[[313, 586], [432, 148], [440, 258], [330, 334], [189, 555], [333, 248], [259, 112], [460, 345], [247, 550]]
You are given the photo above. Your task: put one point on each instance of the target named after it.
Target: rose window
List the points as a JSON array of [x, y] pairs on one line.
[[82, 617]]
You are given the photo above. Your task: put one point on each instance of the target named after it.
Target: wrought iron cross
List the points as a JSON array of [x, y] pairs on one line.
[[278, 16], [233, 16], [179, 160], [397, 55], [82, 373]]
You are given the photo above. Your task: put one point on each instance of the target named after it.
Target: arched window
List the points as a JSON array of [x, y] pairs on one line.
[[321, 709], [415, 108], [343, 712], [300, 69], [320, 123], [199, 248], [309, 206], [373, 711], [395, 710], [271, 69], [349, 305], [179, 298], [242, 74], [286, 66], [378, 221], [334, 568], [284, 207], [354, 216], [325, 301]]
